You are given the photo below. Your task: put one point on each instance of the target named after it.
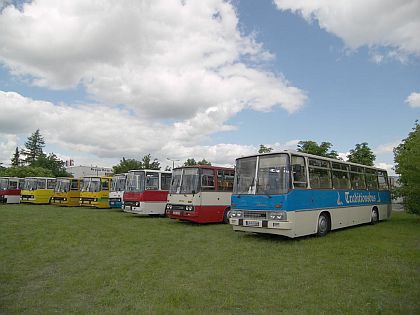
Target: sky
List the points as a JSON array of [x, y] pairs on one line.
[[207, 79]]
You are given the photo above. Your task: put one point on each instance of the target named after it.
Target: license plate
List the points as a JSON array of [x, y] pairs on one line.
[[127, 207], [252, 223], [176, 212]]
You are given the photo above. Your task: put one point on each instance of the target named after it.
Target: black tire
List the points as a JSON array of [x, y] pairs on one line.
[[323, 226], [374, 218], [226, 216]]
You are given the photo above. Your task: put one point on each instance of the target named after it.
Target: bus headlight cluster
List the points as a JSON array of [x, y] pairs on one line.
[[168, 206], [137, 204], [278, 215], [189, 208], [235, 214]]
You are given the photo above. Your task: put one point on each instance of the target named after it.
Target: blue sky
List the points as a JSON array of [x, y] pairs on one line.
[[207, 79]]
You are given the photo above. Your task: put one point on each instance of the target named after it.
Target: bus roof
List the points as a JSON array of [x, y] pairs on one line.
[[207, 167], [294, 152], [147, 170]]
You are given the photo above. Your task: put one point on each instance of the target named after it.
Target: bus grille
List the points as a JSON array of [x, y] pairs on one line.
[[261, 215], [178, 207]]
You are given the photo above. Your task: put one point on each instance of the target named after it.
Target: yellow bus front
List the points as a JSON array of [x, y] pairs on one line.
[[37, 190], [95, 192], [67, 192]]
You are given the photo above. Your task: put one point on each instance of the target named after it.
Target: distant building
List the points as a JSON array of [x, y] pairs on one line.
[[82, 171]]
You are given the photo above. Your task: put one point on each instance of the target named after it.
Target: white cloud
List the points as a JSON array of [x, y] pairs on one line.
[[386, 148], [387, 166], [393, 24], [166, 59], [413, 99], [96, 134], [8, 144]]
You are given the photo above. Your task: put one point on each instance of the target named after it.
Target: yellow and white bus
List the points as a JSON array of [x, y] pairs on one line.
[[95, 192], [294, 194], [67, 192], [37, 190]]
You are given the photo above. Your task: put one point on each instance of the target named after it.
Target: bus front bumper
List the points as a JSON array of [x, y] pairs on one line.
[[252, 223]]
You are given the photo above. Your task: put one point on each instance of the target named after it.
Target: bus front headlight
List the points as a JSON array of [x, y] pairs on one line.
[[278, 215], [235, 214]]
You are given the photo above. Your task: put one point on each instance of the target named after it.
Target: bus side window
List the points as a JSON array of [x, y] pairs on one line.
[[225, 180], [371, 179], [299, 172], [383, 180], [105, 184], [74, 184], [51, 183], [165, 181], [207, 180], [13, 184], [320, 174]]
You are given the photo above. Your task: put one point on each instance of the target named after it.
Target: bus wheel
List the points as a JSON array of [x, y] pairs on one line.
[[374, 216], [226, 216], [323, 224]]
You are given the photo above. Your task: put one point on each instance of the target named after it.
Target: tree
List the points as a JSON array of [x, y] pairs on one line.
[[126, 165], [264, 149], [52, 163], [155, 165], [312, 147], [192, 162], [26, 171], [362, 154], [15, 161], [33, 147], [407, 165]]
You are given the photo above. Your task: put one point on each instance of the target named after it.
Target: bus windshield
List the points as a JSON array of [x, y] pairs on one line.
[[272, 175], [4, 183], [30, 184], [135, 181], [63, 185], [91, 184], [118, 183], [185, 181]]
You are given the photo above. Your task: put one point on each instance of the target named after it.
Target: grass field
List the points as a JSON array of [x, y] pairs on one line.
[[84, 261]]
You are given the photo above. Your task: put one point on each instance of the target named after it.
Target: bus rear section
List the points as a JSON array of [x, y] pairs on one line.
[[200, 194], [67, 192], [146, 192], [10, 189], [95, 192], [117, 190], [37, 190], [295, 194]]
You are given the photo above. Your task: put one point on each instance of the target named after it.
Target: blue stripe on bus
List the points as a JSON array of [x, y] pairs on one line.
[[310, 199]]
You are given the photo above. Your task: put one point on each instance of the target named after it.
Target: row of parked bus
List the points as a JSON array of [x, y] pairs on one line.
[[287, 193]]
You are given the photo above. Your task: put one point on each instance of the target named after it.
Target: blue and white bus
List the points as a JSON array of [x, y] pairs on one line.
[[294, 194]]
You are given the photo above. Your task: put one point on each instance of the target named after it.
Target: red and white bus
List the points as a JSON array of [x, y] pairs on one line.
[[200, 194], [10, 189], [146, 192]]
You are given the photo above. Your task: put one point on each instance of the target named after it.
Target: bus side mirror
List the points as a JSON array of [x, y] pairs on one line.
[[193, 192]]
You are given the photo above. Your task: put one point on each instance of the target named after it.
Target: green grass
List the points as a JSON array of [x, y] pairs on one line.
[[85, 261]]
